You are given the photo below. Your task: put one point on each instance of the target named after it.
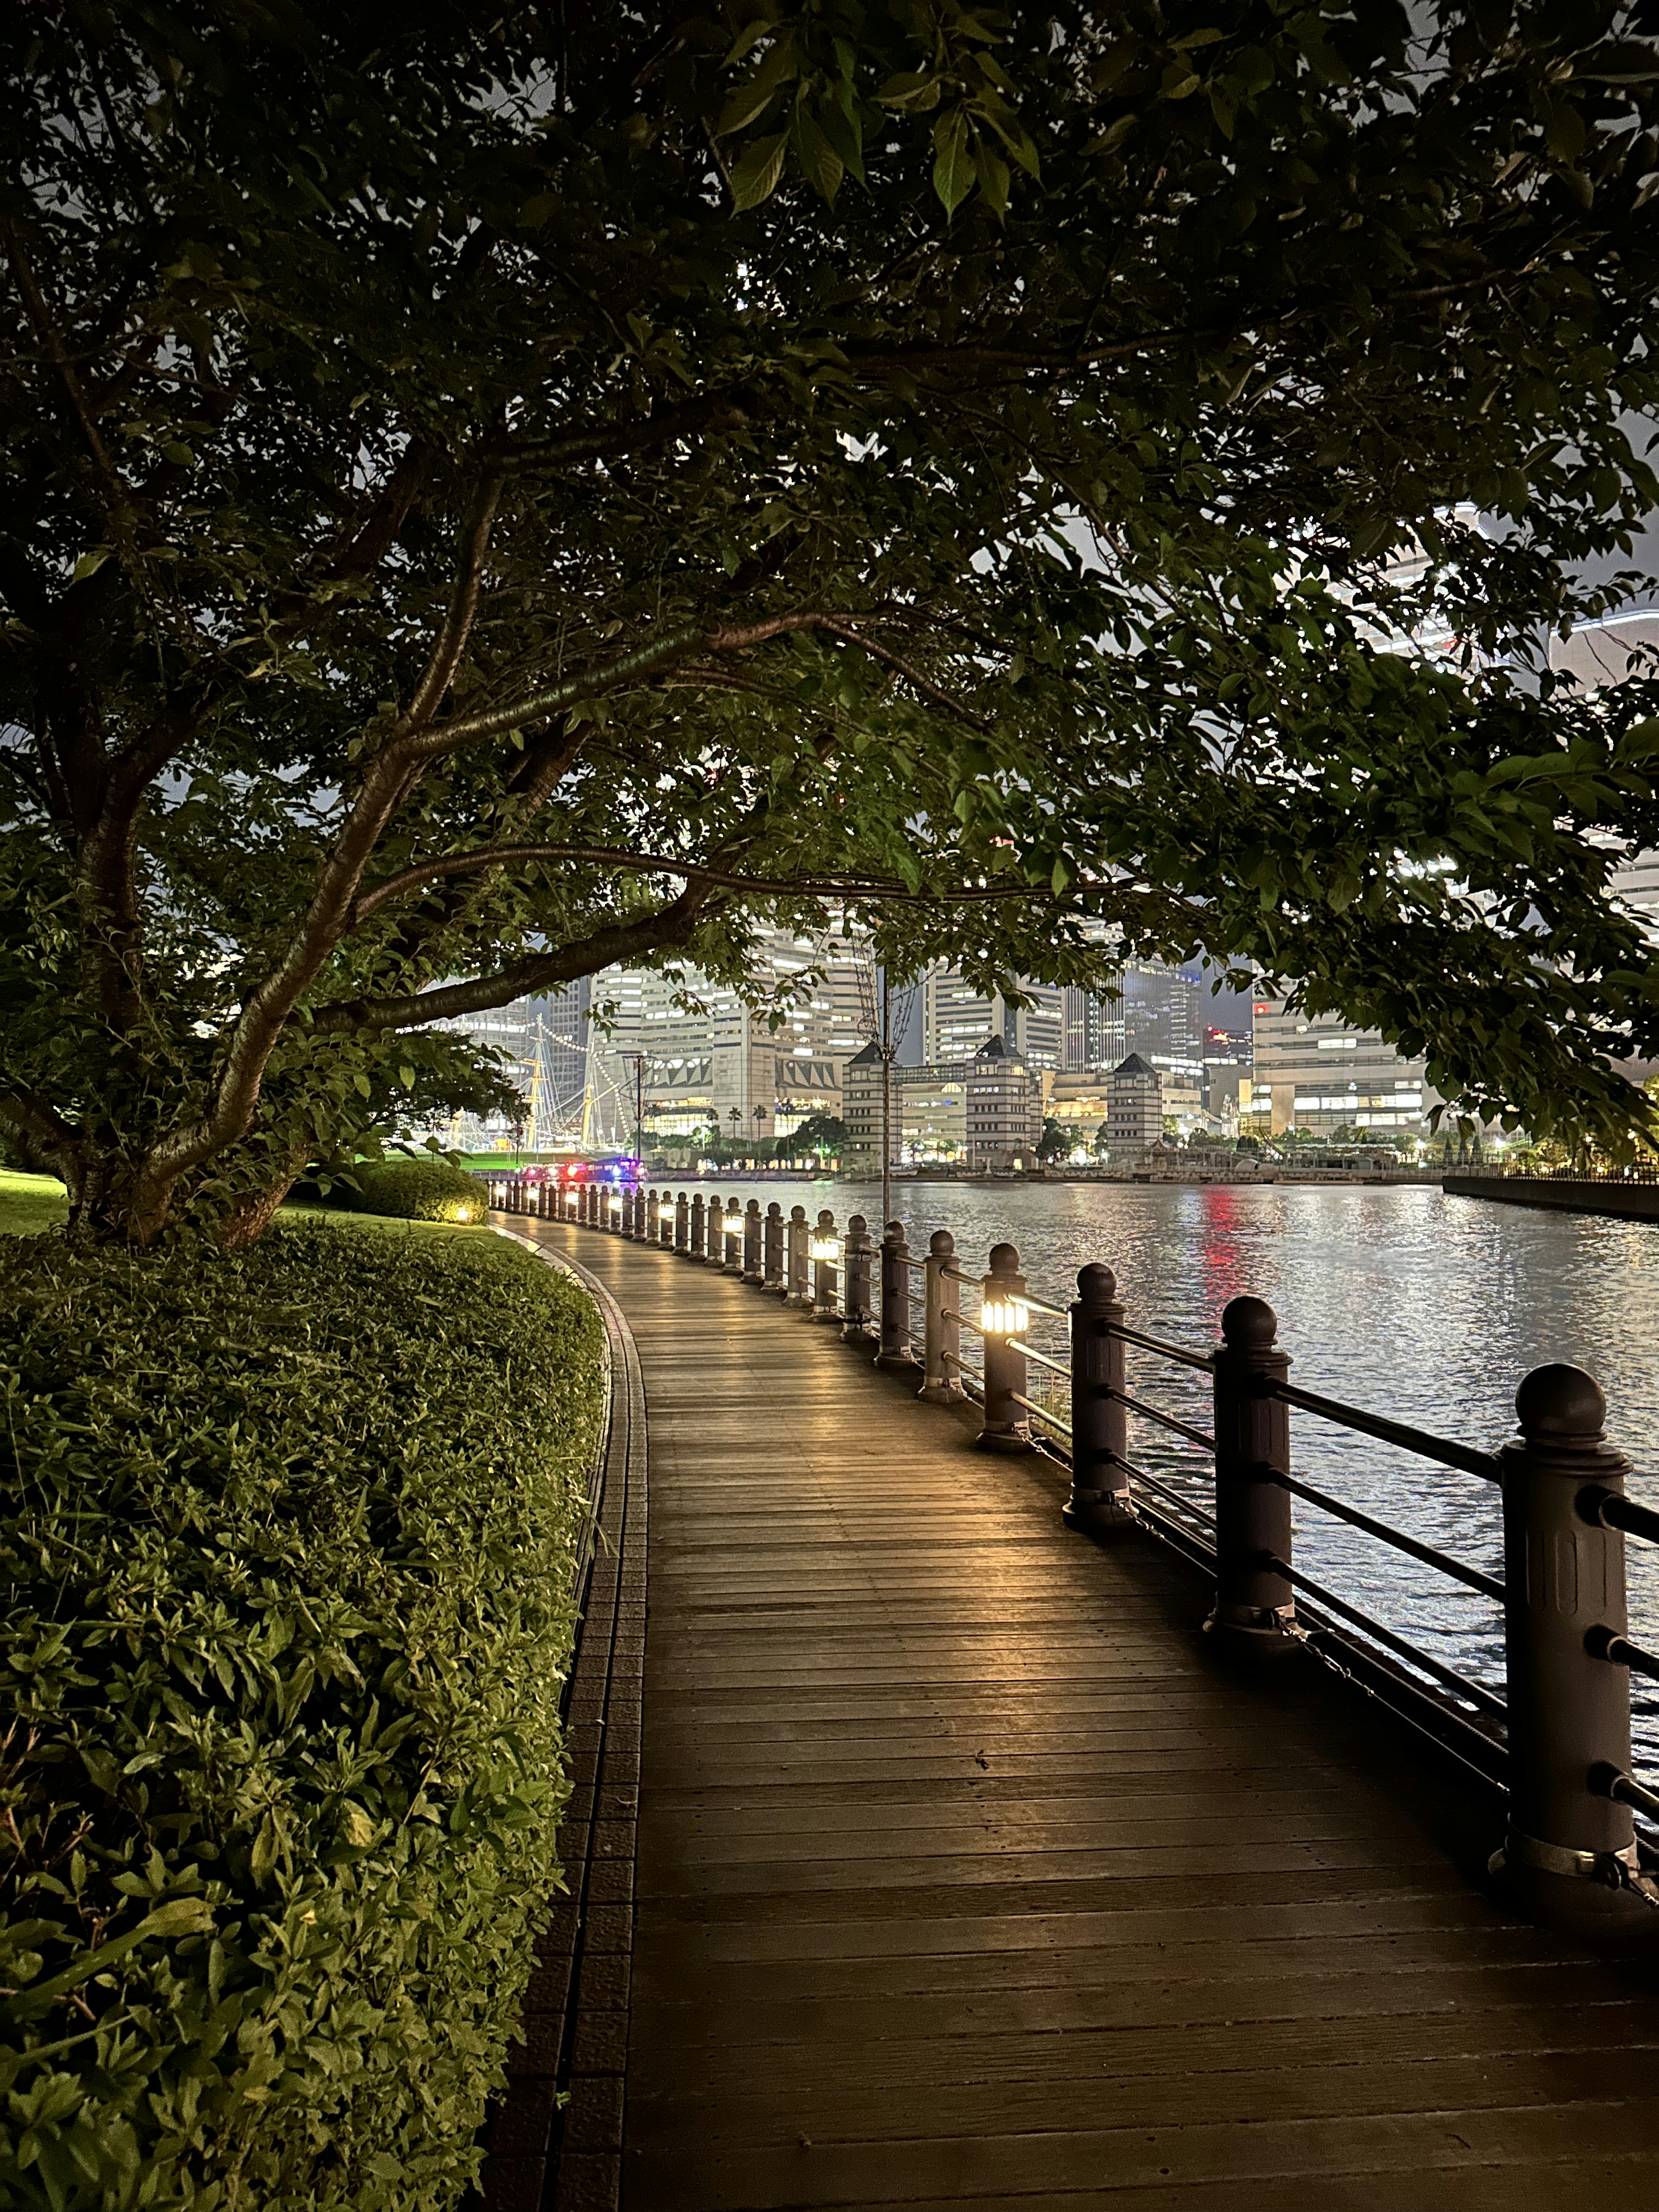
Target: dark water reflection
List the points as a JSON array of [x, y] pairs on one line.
[[1403, 1301]]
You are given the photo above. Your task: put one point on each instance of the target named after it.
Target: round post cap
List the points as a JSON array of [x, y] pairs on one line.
[[774, 1208], [826, 1218], [1005, 1260], [1096, 1284], [1560, 1404], [798, 1213], [941, 1245], [895, 1231], [1249, 1325]]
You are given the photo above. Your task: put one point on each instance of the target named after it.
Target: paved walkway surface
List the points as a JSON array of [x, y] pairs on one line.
[[968, 1877]]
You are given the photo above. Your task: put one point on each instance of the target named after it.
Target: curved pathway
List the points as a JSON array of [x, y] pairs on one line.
[[966, 1878]]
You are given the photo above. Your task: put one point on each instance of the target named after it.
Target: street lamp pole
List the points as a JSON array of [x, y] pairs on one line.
[[886, 1049], [638, 1059]]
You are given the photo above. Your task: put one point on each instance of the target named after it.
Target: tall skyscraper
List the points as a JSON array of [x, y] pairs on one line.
[[1156, 1015], [957, 1017]]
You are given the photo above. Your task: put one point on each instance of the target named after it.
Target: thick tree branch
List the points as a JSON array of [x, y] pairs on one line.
[[268, 1007], [666, 863], [457, 623], [665, 930], [30, 1114], [663, 655]]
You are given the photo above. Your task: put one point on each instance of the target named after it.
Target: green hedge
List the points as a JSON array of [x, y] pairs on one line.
[[416, 1190], [288, 1539]]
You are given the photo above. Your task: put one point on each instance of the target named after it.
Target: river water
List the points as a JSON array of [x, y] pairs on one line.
[[1398, 1299]]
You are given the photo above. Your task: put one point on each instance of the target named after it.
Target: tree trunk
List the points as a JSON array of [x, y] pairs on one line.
[[253, 1213], [113, 1201]]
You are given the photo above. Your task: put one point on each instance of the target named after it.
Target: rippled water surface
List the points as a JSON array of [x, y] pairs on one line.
[[1401, 1300]]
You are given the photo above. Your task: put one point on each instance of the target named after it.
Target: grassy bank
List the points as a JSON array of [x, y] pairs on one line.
[[288, 1540]]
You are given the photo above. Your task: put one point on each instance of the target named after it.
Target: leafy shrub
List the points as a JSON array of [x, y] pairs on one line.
[[288, 1539], [416, 1190]]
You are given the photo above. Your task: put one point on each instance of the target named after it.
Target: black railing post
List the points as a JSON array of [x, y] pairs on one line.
[[1254, 1607], [733, 1263], [652, 1215], [713, 1231], [941, 1379], [696, 1246], [682, 1223], [772, 1241], [1568, 1846], [1004, 1316], [798, 1293], [855, 1283], [666, 1230], [752, 1229], [895, 1299], [1099, 1502]]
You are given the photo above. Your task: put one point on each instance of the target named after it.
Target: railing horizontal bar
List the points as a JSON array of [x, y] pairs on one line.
[[1042, 1305], [1165, 1351], [1623, 1653], [1041, 1412], [1164, 1420], [960, 1275], [1462, 1457], [1429, 1555], [1476, 1695], [1174, 1497], [965, 1366], [1054, 1366], [1629, 1791], [1624, 1513]]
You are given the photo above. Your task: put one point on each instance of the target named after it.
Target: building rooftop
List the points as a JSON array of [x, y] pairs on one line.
[[1135, 1066]]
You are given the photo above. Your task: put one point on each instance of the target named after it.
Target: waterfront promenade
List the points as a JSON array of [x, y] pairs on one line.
[[965, 1875]]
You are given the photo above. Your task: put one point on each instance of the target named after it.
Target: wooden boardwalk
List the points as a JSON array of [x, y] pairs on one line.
[[968, 1877]]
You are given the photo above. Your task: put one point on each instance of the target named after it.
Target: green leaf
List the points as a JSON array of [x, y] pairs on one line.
[[754, 173], [953, 165], [821, 164]]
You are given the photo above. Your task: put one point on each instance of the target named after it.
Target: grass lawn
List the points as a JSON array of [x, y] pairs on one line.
[[30, 1202]]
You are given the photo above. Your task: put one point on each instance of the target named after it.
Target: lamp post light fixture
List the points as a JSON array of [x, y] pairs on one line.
[[1004, 1316]]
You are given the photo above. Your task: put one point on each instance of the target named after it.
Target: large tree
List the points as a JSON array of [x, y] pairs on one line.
[[494, 492]]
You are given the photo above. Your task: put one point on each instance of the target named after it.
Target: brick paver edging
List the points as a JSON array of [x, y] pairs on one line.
[[573, 2033]]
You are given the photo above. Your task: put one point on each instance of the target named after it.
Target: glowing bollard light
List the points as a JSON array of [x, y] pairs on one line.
[[1003, 1316], [824, 1249]]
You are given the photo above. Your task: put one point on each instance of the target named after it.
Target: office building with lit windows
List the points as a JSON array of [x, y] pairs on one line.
[[682, 1069], [1321, 1074]]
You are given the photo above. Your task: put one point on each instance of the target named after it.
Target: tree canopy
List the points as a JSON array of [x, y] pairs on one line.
[[490, 494]]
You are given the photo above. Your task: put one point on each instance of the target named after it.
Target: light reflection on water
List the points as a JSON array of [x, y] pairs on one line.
[[1401, 1300]]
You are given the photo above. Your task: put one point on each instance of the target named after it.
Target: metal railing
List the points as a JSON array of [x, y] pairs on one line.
[[1558, 1741]]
